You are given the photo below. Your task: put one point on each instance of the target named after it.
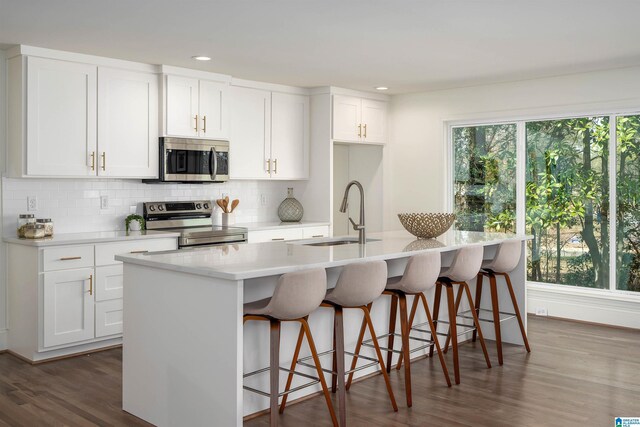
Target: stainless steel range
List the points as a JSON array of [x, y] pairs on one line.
[[193, 221]]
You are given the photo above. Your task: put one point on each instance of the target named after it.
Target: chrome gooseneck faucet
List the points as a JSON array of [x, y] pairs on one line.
[[343, 208]]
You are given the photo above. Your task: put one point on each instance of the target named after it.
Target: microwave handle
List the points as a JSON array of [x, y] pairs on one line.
[[213, 163]]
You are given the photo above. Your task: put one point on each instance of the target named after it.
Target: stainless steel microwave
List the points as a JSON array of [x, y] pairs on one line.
[[193, 160]]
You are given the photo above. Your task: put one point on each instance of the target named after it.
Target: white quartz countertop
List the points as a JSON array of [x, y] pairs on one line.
[[251, 260], [277, 225], [91, 237]]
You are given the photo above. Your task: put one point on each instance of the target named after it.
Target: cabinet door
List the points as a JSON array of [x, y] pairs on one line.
[[108, 282], [214, 110], [61, 117], [290, 136], [250, 143], [182, 106], [68, 307], [127, 124], [374, 121], [109, 315], [346, 118]]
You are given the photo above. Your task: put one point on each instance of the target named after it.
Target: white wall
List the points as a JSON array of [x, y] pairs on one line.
[[415, 158], [3, 134]]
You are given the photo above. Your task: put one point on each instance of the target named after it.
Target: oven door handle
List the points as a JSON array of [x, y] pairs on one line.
[[213, 163]]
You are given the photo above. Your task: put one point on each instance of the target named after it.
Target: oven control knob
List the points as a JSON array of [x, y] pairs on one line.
[[160, 207], [198, 206], [152, 208], [206, 205]]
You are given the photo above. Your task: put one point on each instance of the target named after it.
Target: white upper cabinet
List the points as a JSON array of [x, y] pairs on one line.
[[249, 146], [269, 134], [60, 118], [359, 120], [290, 136], [196, 108], [128, 124], [74, 119]]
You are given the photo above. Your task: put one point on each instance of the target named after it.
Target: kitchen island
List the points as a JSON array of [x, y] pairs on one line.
[[185, 348]]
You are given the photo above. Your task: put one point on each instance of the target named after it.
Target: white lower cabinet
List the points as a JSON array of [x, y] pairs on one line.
[[109, 318], [68, 299], [288, 233], [68, 306]]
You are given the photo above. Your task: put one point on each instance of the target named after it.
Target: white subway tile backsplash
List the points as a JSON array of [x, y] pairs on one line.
[[74, 204]]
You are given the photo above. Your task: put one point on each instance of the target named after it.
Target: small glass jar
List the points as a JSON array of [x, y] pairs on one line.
[[48, 226], [34, 231], [23, 221]]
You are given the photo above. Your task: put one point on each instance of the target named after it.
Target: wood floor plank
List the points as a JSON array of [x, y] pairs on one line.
[[577, 374]]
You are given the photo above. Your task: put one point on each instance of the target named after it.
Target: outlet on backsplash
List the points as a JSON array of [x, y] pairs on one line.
[[263, 200], [104, 202], [32, 203]]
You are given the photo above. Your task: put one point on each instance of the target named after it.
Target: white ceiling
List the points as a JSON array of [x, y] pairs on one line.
[[408, 45]]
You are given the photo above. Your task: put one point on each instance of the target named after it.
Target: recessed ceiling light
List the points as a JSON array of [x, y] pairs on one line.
[[201, 58], [382, 88]]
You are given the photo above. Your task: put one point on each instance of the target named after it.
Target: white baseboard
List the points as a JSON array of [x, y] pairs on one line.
[[4, 335], [585, 304]]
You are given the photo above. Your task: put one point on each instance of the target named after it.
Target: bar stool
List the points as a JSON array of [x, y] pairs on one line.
[[358, 286], [419, 276], [295, 297], [506, 259], [465, 266]]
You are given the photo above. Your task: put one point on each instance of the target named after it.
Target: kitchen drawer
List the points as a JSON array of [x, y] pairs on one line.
[[314, 232], [108, 282], [105, 252], [67, 257], [275, 235], [109, 318]]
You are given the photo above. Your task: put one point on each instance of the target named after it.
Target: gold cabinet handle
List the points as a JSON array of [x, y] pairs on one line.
[[365, 131], [196, 128], [104, 160], [275, 166], [93, 160], [138, 252], [278, 238], [360, 130], [317, 235], [91, 284], [204, 124], [70, 258], [269, 166]]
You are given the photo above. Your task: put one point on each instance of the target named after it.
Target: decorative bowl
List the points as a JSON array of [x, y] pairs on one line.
[[425, 225]]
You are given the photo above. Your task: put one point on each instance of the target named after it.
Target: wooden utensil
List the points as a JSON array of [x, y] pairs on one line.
[[226, 204], [220, 203], [234, 204]]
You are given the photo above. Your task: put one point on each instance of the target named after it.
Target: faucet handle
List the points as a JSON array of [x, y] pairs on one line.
[[356, 226]]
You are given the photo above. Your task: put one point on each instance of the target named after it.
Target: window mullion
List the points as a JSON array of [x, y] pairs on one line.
[[521, 176], [613, 206]]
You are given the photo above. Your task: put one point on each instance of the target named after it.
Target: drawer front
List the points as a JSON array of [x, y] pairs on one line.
[[109, 318], [315, 232], [67, 257], [105, 252], [109, 280], [275, 235]]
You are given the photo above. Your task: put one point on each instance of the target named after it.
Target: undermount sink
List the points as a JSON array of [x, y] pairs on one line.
[[337, 242]]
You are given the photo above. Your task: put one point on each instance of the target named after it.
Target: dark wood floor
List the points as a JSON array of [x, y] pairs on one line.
[[577, 375]]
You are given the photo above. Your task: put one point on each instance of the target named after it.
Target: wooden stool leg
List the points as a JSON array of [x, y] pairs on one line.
[[334, 376], [436, 311], [274, 363], [356, 353], [294, 362], [477, 323], [453, 331], [392, 329], [404, 332], [434, 337], [479, 282], [457, 307], [517, 310], [496, 315], [339, 326], [380, 358], [414, 307], [316, 361]]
